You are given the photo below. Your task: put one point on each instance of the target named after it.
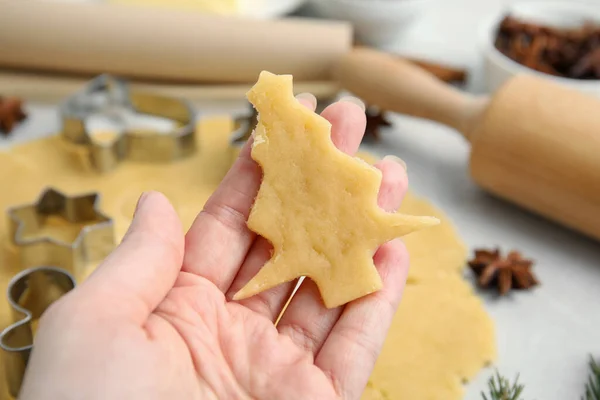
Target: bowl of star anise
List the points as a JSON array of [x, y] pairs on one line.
[[557, 40]]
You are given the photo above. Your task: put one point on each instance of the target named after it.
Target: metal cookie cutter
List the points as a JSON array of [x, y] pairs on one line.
[[41, 240], [30, 293], [243, 125], [112, 97]]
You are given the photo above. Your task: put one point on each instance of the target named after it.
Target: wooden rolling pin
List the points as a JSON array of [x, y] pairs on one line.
[[54, 88], [534, 142], [160, 44]]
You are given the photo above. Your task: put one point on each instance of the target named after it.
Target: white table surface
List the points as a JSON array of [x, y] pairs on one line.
[[545, 335]]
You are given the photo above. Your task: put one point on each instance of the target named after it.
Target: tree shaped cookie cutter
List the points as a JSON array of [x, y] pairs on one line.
[[37, 245], [30, 293], [111, 96]]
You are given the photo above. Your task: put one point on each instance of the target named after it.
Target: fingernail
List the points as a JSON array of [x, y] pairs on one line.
[[397, 160], [308, 97], [353, 100], [140, 202]]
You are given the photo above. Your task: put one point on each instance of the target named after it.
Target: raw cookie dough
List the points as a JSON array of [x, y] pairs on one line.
[[433, 260], [434, 306], [316, 205], [440, 337]]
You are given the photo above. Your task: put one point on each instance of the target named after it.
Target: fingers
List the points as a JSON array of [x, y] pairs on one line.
[[270, 302], [353, 345], [139, 273], [394, 183], [308, 99], [218, 240], [306, 320], [348, 122]]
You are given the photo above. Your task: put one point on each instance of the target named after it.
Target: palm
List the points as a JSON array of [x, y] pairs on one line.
[[154, 321], [234, 351]]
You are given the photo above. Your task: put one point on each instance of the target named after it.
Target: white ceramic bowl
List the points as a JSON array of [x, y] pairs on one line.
[[567, 13], [269, 8], [376, 22]]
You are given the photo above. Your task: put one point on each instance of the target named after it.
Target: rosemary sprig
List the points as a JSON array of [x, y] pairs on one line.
[[592, 389], [501, 389]]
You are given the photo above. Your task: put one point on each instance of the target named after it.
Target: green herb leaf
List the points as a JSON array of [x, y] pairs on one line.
[[592, 389], [501, 389]]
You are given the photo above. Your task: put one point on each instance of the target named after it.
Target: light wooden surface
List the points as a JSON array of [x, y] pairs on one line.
[[51, 88], [535, 143]]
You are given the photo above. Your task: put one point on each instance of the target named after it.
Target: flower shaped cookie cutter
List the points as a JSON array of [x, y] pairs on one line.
[[111, 96]]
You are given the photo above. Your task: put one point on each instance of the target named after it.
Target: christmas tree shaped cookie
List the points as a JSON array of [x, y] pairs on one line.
[[316, 205]]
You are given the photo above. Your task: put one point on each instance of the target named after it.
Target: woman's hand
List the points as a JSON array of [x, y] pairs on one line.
[[155, 320]]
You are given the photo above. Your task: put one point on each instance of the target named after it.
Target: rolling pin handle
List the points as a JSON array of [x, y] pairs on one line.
[[395, 85]]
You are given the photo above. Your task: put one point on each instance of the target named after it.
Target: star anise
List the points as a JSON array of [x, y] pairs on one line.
[[588, 65], [567, 52], [375, 120], [11, 113], [510, 272]]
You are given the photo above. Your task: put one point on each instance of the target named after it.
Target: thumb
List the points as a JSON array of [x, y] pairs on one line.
[[139, 273]]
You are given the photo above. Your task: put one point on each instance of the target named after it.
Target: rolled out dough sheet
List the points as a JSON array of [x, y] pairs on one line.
[[440, 337]]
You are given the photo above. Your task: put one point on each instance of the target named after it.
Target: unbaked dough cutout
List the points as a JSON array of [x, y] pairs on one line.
[[316, 205]]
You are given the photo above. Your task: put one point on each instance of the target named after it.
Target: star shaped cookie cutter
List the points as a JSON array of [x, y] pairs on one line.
[[30, 230], [111, 96], [30, 293]]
